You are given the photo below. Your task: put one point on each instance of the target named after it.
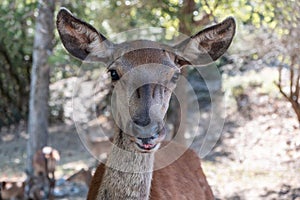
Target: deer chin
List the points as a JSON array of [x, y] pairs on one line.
[[149, 144]]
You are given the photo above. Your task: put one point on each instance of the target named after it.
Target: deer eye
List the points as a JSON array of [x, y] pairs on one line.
[[114, 75], [175, 77]]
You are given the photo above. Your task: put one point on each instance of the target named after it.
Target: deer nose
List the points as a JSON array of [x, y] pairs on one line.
[[148, 139], [148, 131], [143, 120]]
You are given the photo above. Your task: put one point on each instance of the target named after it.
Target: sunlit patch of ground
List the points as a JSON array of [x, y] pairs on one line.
[[262, 148]]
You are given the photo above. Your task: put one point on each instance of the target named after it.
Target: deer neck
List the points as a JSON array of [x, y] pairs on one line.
[[128, 173]]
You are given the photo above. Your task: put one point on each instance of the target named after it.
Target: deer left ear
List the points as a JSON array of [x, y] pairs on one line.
[[209, 44], [81, 39]]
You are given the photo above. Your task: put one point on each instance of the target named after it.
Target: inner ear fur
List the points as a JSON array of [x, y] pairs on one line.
[[209, 44], [81, 39]]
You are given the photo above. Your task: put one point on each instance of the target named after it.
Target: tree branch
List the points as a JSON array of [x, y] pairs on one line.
[[292, 76], [279, 83]]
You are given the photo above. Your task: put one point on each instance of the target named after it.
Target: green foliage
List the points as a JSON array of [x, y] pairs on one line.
[[16, 38]]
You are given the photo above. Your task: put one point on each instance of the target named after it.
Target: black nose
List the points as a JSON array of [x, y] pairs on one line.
[[143, 121], [148, 139]]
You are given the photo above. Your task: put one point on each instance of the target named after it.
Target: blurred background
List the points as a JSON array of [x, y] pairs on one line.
[[258, 153]]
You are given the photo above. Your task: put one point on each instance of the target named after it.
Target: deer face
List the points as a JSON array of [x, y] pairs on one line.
[[144, 73], [143, 82]]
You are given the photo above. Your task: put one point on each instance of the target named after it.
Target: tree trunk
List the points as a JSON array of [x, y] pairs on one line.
[[39, 88]]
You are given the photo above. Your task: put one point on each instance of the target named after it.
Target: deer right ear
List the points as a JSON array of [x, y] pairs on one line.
[[81, 39], [209, 44]]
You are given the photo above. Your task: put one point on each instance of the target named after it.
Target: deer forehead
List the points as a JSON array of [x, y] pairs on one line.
[[146, 62]]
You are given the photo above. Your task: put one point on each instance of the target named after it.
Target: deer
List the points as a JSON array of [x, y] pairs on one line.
[[12, 190], [44, 164], [144, 73], [45, 161], [82, 176]]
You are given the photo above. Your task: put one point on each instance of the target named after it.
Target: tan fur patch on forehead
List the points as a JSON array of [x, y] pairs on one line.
[[147, 56]]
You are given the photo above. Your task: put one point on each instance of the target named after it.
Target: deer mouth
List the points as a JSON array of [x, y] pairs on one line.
[[146, 147], [150, 144]]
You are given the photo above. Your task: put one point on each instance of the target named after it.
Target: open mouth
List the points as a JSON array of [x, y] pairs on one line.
[[150, 144], [146, 147]]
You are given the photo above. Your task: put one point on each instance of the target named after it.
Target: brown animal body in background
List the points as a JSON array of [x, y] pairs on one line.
[[12, 190], [44, 164], [82, 176]]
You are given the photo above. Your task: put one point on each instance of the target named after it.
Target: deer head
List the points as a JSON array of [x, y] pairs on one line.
[[144, 73]]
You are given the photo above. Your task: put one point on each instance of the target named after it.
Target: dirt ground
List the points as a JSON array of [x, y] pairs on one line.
[[257, 156]]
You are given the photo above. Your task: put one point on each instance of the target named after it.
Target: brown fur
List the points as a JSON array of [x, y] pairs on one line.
[[12, 190], [45, 162], [183, 179], [82, 176], [43, 181]]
